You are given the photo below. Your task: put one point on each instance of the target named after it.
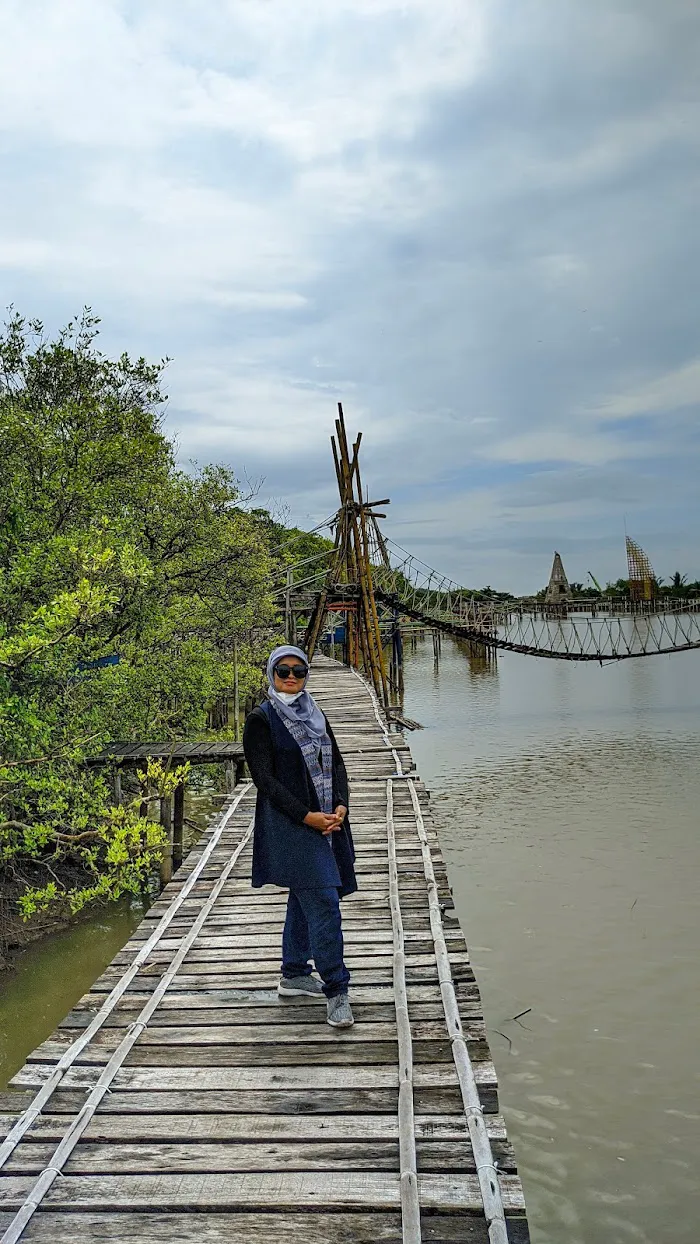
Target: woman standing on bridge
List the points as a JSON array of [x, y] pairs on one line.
[[302, 838]]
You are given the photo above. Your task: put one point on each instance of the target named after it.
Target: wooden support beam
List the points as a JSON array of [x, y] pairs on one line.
[[166, 820], [178, 824]]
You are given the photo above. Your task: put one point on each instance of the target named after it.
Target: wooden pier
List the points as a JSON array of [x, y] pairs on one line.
[[182, 1101]]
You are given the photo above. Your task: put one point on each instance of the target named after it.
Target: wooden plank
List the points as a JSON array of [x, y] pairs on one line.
[[263, 1190], [261, 1012], [467, 992], [229, 1127], [255, 959], [246, 1078], [153, 1156], [277, 1034], [342, 1227], [442, 1100], [355, 934], [267, 979]]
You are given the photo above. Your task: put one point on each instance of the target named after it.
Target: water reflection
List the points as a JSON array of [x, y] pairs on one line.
[[567, 801]]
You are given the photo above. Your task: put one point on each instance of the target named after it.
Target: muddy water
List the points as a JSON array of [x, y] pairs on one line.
[[568, 804], [49, 976]]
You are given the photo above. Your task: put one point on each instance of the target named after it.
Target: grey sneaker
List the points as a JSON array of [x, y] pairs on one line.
[[300, 987], [339, 1013]]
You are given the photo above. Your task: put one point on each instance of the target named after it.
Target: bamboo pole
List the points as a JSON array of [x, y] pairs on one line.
[[353, 508], [350, 529], [375, 635], [288, 616], [481, 1145], [408, 1174]]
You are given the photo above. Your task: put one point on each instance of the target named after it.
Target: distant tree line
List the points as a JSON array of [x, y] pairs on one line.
[[677, 586]]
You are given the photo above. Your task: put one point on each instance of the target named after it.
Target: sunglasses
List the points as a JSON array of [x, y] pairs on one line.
[[298, 671]]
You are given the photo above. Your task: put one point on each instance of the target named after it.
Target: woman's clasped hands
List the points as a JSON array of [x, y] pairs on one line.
[[326, 822]]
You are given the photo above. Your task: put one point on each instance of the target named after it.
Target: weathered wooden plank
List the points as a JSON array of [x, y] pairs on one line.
[[268, 922], [442, 1100], [467, 992], [259, 1127], [264, 978], [255, 959], [261, 1053], [244, 1078], [342, 1227], [261, 1012], [262, 1190], [153, 1156], [276, 1034], [356, 935]]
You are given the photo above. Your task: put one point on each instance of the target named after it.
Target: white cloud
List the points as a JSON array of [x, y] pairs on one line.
[[249, 413], [674, 390], [311, 78], [574, 445]]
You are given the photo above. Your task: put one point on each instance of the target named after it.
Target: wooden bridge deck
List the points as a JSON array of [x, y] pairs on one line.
[[225, 1114]]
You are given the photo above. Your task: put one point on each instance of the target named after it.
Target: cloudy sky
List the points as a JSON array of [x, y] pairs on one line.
[[475, 222]]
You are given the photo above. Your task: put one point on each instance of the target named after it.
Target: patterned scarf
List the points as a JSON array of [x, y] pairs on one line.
[[320, 772]]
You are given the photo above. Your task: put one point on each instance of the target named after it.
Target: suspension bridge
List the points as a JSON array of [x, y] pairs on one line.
[[375, 587]]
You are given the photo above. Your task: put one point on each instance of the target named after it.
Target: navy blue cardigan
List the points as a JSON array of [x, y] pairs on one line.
[[285, 851]]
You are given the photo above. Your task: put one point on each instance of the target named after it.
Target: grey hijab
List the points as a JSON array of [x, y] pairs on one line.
[[302, 711]]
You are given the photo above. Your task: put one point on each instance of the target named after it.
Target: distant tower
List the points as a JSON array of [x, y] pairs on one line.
[[639, 572], [558, 586]]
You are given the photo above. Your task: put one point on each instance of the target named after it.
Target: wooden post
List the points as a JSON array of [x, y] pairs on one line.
[[178, 825], [144, 806], [236, 705], [166, 820], [288, 615], [230, 770], [117, 786]]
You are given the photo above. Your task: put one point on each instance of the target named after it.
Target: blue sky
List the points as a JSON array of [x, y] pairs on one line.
[[474, 222]]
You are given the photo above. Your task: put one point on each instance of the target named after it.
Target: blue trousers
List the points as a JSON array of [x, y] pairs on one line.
[[313, 930]]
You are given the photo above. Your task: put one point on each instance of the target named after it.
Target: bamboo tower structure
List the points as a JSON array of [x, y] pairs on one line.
[[642, 579], [349, 586]]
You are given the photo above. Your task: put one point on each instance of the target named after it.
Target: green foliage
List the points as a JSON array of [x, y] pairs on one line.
[[107, 550]]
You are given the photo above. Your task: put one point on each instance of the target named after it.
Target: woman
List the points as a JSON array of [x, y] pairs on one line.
[[302, 838]]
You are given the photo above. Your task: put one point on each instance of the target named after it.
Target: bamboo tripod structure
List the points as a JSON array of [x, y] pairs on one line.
[[350, 572]]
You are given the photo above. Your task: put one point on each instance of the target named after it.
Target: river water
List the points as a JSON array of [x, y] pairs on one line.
[[567, 799], [48, 976]]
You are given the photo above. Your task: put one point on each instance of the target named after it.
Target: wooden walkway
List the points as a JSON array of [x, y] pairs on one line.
[[129, 755], [182, 1101]]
